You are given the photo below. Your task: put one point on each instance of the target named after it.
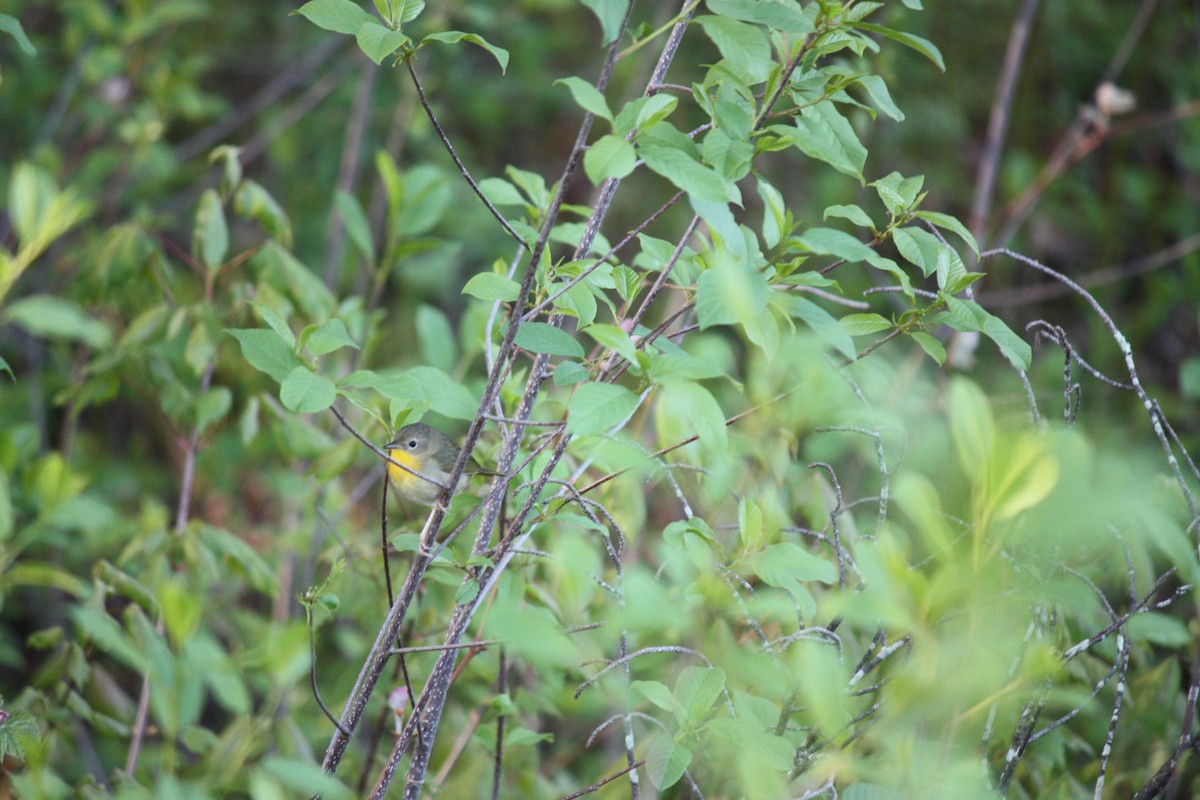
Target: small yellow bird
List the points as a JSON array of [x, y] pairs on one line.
[[432, 453]]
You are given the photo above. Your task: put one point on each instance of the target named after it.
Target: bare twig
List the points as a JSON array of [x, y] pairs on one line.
[[985, 181]]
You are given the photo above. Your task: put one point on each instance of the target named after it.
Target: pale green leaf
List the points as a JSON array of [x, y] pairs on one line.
[[12, 26], [210, 236], [50, 317], [542, 337], [598, 407], [864, 324], [254, 202], [266, 351], [453, 37], [490, 286], [340, 16], [951, 224], [325, 338], [354, 219], [932, 347], [610, 13], [744, 46], [586, 96], [610, 156], [304, 392], [922, 46]]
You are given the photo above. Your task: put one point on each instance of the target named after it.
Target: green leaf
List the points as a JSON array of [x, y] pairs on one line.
[[924, 250], [210, 236], [750, 524], [212, 407], [6, 511], [729, 156], [821, 132], [57, 318], [972, 426], [254, 202], [611, 13], [700, 412], [408, 10], [586, 96], [468, 590], [523, 737], [239, 557], [962, 281], [439, 347], [864, 324], [181, 610], [789, 19], [880, 97], [658, 694], [775, 216], [685, 172], [276, 322], [6, 368], [653, 110], [302, 777], [1160, 629], [490, 286], [305, 392], [1012, 347], [922, 46], [788, 565], [447, 395], [266, 351], [339, 16], [330, 335], [951, 224], [12, 26], [666, 762], [597, 407], [580, 302], [281, 269], [39, 213], [822, 323], [610, 156], [873, 791], [728, 293], [355, 221], [665, 367], [897, 192], [542, 337], [932, 347], [744, 46], [613, 338], [569, 373], [108, 636], [852, 213], [378, 41], [831, 242], [453, 37]]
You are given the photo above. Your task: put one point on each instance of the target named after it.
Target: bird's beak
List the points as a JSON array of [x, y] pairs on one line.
[[390, 446]]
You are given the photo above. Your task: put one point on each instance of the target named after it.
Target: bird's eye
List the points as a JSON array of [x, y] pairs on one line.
[[412, 444]]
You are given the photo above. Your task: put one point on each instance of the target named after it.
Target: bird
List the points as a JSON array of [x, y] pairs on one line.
[[426, 450]]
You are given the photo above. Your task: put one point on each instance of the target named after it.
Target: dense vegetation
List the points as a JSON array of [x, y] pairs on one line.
[[839, 360]]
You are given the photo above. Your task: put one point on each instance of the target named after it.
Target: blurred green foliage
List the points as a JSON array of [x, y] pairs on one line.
[[220, 220]]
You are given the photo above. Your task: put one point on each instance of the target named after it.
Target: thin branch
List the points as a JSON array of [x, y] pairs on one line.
[[298, 74], [596, 786], [462, 168], [312, 670], [1142, 265], [356, 128], [637, 654], [985, 181]]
